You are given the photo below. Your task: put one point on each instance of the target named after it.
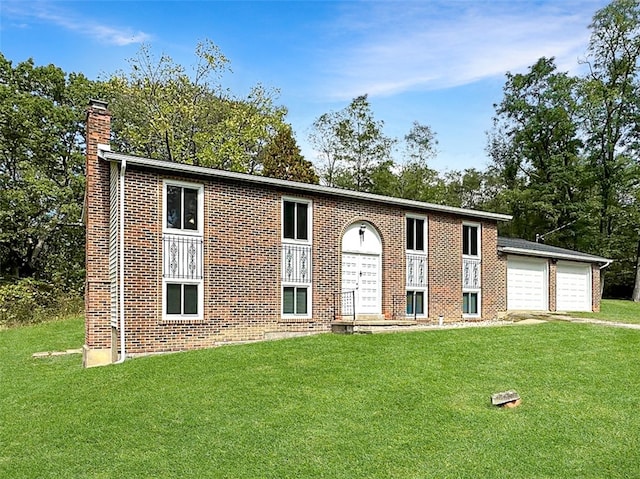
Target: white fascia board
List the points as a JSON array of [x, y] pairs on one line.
[[549, 254], [294, 185]]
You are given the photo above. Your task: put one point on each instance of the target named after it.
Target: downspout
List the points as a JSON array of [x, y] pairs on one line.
[[123, 352], [602, 276]]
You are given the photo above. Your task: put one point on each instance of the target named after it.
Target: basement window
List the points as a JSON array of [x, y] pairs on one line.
[[470, 304], [295, 300]]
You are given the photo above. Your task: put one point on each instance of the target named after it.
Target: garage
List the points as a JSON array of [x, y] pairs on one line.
[[527, 284], [531, 283], [573, 286]]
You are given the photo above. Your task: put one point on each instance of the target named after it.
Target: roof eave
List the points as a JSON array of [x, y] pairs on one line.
[[230, 175], [552, 255]]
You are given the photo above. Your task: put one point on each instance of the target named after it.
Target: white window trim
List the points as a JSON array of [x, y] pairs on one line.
[[478, 291], [169, 317], [424, 233], [479, 238], [309, 204], [425, 302], [182, 232], [479, 313], [294, 241], [309, 314], [183, 184], [423, 252]]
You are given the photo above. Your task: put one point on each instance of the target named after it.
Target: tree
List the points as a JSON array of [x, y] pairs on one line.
[[352, 144], [611, 110], [536, 149], [322, 137], [161, 111], [42, 113], [415, 180], [471, 188], [566, 148], [282, 159], [420, 144]]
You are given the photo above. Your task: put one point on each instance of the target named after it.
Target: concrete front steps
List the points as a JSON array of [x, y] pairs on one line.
[[369, 323], [377, 324]]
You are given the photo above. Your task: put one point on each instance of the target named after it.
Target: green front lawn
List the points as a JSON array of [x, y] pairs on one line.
[[617, 310], [405, 405]]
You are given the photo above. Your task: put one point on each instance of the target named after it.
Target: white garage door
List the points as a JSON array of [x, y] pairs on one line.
[[527, 284], [573, 287]]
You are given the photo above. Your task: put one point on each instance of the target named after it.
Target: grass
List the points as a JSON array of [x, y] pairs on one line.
[[404, 405], [617, 310]]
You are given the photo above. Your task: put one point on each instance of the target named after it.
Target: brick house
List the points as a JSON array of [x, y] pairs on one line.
[[181, 257]]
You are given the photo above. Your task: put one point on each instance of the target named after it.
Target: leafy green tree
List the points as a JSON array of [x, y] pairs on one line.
[[537, 150], [565, 149], [415, 179], [611, 111], [420, 144], [471, 188], [42, 112], [282, 159], [353, 145], [326, 143], [162, 111]]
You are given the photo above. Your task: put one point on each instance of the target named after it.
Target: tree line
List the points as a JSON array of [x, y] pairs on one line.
[[563, 149]]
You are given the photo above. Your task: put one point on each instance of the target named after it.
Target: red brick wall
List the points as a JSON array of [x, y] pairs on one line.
[[97, 289], [494, 274], [595, 287], [331, 219], [242, 258], [552, 269], [501, 286], [242, 240], [445, 266]]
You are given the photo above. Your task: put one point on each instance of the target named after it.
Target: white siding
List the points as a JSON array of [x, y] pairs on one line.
[[114, 201]]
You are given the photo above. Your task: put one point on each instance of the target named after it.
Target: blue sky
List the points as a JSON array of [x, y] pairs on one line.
[[440, 62]]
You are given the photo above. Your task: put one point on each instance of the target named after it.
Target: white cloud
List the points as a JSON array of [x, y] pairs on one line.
[[49, 13], [403, 46], [115, 36]]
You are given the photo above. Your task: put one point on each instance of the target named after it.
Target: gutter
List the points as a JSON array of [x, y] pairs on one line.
[[608, 262], [174, 167], [123, 351], [547, 254]]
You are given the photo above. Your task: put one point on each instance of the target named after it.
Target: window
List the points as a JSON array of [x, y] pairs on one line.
[[182, 299], [182, 208], [470, 303], [470, 241], [296, 259], [295, 220], [182, 250], [295, 300], [415, 303], [415, 234], [416, 266]]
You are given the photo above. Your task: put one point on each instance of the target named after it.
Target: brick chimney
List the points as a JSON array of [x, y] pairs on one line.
[[98, 337]]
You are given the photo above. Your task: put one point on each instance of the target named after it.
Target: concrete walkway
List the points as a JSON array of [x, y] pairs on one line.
[[516, 319], [368, 329], [599, 322]]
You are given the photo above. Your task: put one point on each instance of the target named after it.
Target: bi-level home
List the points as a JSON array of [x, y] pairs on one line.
[[181, 257]]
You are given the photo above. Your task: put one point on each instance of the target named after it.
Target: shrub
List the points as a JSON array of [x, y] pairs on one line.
[[29, 301]]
